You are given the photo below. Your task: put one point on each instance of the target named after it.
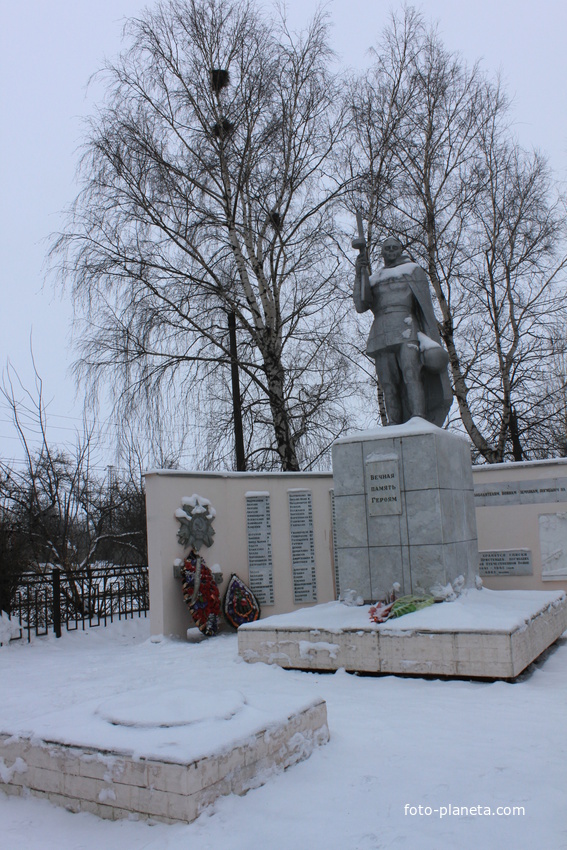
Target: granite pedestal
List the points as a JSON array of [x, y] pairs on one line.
[[404, 509]]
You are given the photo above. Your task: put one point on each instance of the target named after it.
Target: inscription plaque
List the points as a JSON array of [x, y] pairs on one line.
[[302, 546], [537, 491], [383, 496], [506, 562], [259, 531], [335, 545]]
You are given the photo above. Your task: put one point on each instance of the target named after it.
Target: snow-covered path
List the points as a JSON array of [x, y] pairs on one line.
[[394, 743]]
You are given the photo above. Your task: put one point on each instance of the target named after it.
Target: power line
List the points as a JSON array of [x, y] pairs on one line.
[[9, 462]]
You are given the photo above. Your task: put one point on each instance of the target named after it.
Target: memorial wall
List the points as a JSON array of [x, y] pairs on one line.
[[521, 514], [275, 530]]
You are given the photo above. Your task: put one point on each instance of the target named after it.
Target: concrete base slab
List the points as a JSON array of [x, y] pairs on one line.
[[117, 784], [482, 634]]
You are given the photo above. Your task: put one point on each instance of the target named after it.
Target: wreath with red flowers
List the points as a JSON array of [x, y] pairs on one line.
[[239, 604], [200, 590], [201, 594]]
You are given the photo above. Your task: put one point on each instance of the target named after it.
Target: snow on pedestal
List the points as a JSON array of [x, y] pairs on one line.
[[163, 756], [482, 634]]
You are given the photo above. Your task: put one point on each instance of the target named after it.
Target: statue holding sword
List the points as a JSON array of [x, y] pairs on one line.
[[404, 340]]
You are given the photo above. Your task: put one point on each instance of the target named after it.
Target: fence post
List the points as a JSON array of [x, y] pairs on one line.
[[56, 581]]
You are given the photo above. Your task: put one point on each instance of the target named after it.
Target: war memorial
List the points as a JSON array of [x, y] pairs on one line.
[[324, 557], [405, 518], [396, 518]]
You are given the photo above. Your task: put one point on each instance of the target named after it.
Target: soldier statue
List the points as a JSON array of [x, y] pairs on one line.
[[404, 340]]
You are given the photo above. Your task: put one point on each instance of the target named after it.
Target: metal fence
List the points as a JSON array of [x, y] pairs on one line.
[[93, 597]]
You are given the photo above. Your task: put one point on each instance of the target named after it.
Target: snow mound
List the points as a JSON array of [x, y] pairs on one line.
[[9, 628]]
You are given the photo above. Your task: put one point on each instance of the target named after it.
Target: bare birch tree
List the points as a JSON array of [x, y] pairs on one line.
[[546, 429], [440, 168], [208, 189]]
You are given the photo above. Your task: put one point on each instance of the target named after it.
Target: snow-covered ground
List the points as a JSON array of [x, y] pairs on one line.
[[395, 743]]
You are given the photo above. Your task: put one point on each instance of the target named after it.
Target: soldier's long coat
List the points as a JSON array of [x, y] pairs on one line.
[[438, 392]]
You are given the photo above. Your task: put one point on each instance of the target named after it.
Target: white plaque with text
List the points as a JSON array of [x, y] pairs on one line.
[[383, 496], [259, 530], [525, 492], [335, 545], [506, 562], [302, 546]]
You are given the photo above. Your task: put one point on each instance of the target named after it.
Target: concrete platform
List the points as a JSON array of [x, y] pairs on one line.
[[113, 783], [482, 634]]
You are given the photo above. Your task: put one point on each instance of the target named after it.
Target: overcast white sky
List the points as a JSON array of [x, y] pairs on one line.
[[49, 49]]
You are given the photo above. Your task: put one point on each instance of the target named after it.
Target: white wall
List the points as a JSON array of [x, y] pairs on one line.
[[227, 493], [507, 521], [512, 520]]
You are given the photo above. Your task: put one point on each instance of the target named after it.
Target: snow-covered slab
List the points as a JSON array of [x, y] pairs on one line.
[[164, 757], [483, 634]]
